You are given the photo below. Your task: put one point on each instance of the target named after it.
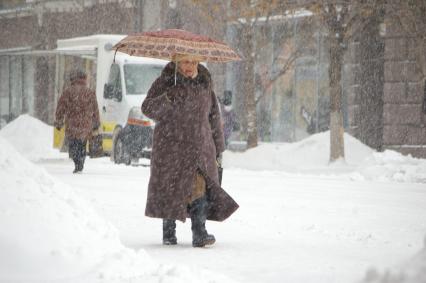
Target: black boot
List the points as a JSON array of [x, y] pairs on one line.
[[76, 165], [77, 151], [169, 232], [81, 164], [198, 212]]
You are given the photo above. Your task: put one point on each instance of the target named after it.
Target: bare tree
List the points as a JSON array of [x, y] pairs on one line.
[[346, 19], [248, 16], [342, 20]]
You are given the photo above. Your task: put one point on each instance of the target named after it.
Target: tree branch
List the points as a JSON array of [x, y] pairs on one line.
[[276, 76]]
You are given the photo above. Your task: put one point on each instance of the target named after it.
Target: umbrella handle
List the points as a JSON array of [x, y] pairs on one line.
[[115, 54], [175, 71]]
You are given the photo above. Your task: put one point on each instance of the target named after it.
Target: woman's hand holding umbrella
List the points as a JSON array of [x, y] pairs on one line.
[[176, 94]]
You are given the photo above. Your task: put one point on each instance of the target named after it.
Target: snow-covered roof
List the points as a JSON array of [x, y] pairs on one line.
[[97, 40]]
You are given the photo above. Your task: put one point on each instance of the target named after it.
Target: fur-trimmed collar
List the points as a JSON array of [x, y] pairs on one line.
[[203, 76]]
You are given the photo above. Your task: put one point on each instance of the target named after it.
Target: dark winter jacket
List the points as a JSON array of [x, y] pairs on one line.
[[78, 107], [188, 136]]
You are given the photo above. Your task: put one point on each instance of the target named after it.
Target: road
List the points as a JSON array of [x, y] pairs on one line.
[[289, 228]]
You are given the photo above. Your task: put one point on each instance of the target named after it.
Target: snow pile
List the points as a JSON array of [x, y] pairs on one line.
[[393, 166], [413, 271], [311, 156], [32, 138], [50, 233]]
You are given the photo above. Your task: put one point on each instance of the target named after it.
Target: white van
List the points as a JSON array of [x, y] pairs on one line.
[[122, 82]]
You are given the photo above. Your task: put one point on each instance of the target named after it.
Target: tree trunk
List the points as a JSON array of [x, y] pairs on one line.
[[249, 89], [337, 150]]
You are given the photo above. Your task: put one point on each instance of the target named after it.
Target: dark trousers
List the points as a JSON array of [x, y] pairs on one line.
[[77, 152]]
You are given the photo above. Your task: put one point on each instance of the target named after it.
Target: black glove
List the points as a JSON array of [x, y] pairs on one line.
[[57, 125], [219, 160], [95, 127]]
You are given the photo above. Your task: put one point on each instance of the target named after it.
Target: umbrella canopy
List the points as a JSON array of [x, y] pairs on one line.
[[172, 43]]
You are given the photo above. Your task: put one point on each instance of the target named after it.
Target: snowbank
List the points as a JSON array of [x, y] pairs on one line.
[[308, 155], [412, 271], [32, 138], [49, 233], [392, 166], [311, 156]]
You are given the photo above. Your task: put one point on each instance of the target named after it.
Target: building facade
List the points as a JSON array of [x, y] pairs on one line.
[[386, 83], [383, 85], [28, 78]]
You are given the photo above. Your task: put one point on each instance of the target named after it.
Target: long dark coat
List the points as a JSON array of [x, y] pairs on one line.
[[188, 135], [78, 107]]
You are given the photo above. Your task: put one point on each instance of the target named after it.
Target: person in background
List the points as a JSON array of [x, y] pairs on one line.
[[188, 139], [228, 114], [77, 109]]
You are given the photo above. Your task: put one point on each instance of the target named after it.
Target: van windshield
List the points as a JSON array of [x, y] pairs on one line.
[[139, 77]]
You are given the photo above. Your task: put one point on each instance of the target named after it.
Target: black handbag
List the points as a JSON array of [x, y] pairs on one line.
[[219, 168], [220, 173], [95, 146]]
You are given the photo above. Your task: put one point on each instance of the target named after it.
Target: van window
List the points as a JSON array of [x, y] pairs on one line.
[[139, 78], [114, 76]]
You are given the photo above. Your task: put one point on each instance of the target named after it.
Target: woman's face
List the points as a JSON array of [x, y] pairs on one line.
[[188, 68]]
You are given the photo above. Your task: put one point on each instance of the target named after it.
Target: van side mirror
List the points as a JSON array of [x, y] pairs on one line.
[[108, 91], [118, 94], [112, 92]]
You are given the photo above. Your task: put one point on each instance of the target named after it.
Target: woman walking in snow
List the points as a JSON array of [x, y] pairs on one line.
[[78, 109], [188, 139]]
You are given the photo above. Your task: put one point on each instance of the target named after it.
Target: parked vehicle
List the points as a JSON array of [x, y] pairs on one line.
[[122, 82]]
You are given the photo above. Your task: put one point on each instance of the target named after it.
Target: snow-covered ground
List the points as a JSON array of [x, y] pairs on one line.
[[300, 220]]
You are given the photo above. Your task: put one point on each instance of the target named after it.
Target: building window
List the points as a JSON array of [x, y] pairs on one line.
[[11, 4]]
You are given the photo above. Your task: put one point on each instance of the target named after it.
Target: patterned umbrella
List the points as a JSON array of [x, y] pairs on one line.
[[171, 43]]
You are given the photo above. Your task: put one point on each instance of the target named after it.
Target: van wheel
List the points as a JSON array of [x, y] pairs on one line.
[[121, 155]]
